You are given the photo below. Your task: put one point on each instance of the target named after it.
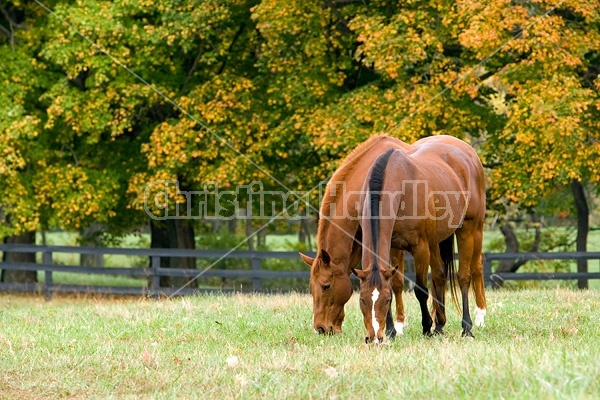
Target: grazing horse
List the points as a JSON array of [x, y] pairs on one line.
[[338, 241], [418, 200]]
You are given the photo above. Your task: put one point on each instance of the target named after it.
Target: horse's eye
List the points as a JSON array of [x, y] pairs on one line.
[[326, 287]]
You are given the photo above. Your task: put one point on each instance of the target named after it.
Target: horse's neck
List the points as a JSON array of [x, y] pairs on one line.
[[337, 236], [339, 223]]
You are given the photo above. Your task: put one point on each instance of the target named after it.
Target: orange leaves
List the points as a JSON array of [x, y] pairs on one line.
[[294, 86], [391, 50], [547, 139]]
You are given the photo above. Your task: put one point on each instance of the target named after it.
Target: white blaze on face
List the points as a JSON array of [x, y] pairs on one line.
[[374, 322], [479, 316]]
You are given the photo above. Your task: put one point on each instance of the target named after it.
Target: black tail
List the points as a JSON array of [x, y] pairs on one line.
[[375, 187], [447, 254]]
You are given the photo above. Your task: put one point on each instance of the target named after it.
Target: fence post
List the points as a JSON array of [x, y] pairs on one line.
[[47, 259], [487, 272], [256, 266], [155, 285]]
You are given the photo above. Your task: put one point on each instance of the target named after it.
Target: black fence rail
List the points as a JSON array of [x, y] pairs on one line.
[[498, 277], [154, 271]]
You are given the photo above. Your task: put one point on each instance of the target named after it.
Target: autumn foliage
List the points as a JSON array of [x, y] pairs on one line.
[[208, 90]]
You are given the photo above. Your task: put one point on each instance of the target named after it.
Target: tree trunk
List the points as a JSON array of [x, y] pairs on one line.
[[249, 230], [512, 246], [173, 234], [261, 238], [232, 225], [90, 237], [216, 225], [583, 226], [309, 231], [305, 228], [301, 232], [181, 236], [185, 240], [10, 276], [159, 239]]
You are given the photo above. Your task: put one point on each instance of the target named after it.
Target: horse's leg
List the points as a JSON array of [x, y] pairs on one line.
[[355, 258], [477, 277], [421, 256], [390, 329], [397, 261], [438, 288], [466, 246]]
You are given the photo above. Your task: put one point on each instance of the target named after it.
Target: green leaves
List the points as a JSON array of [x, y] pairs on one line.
[[292, 87]]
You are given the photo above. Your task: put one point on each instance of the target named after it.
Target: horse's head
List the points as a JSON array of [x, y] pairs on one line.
[[331, 289], [375, 299]]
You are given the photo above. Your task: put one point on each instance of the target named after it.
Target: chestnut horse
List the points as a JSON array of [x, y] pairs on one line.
[[418, 200], [338, 241]]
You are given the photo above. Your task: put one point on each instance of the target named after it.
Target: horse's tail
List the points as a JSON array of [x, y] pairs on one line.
[[447, 254], [375, 186]]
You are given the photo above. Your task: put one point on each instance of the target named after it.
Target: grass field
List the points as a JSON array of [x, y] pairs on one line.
[[536, 344]]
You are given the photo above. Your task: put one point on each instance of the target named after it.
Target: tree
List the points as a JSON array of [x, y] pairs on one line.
[[280, 92], [545, 87]]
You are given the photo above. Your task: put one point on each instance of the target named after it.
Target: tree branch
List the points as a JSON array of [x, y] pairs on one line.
[[5, 32], [343, 3], [342, 24], [492, 164], [72, 153], [235, 38], [189, 74], [10, 33], [10, 20]]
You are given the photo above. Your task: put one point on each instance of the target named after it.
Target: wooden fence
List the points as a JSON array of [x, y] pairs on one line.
[[255, 273]]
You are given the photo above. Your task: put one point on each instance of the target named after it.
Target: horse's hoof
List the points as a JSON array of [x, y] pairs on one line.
[[391, 334], [439, 332], [428, 334], [468, 334]]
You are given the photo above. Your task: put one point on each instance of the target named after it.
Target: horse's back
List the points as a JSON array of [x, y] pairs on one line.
[[448, 165], [352, 173], [462, 161], [450, 150]]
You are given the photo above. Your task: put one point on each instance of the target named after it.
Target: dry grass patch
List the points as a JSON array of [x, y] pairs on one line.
[[541, 343]]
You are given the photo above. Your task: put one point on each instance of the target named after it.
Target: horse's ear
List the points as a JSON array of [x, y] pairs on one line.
[[362, 275], [389, 272], [325, 257], [307, 260]]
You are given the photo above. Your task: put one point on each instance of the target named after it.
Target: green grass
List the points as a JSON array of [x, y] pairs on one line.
[[70, 278], [536, 344]]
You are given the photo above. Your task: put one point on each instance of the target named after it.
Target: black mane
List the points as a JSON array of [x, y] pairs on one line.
[[375, 187]]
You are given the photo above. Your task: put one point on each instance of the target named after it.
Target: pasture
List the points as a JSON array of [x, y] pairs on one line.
[[541, 343]]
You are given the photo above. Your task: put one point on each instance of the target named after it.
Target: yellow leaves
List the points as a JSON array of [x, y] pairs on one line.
[[75, 195], [388, 49], [498, 103], [546, 140]]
